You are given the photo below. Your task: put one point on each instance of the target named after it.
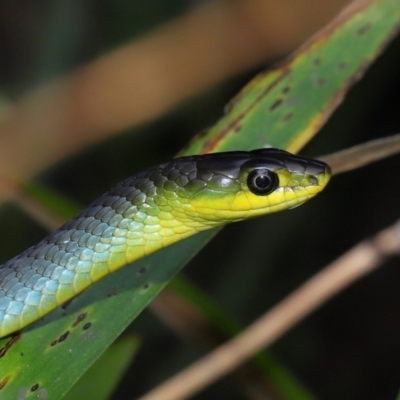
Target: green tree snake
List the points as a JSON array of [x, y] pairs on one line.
[[148, 211]]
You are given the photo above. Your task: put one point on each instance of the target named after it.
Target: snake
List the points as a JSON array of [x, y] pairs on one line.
[[151, 210]]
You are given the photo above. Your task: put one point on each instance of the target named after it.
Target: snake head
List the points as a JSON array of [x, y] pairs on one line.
[[233, 186]]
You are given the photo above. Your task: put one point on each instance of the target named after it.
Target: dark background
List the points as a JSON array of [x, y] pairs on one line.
[[348, 349]]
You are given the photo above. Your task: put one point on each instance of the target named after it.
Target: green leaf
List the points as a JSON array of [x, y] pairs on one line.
[[71, 338], [100, 380], [284, 108]]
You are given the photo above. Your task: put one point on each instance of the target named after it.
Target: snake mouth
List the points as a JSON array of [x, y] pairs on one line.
[[324, 177], [317, 182]]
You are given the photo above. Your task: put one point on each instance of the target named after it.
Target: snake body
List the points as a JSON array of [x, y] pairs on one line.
[[148, 211]]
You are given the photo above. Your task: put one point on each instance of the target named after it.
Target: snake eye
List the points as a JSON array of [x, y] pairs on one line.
[[262, 181]]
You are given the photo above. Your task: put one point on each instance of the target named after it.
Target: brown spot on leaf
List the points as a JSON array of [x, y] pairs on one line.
[[321, 82], [146, 286], [62, 338], [12, 340], [275, 104], [142, 270], [364, 29], [4, 382], [287, 117], [80, 318], [286, 89], [35, 387], [342, 65], [317, 61], [87, 325]]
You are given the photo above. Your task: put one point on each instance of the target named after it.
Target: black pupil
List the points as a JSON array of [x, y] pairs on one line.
[[262, 181]]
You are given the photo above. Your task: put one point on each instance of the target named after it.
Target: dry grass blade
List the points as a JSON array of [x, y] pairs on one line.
[[363, 154]]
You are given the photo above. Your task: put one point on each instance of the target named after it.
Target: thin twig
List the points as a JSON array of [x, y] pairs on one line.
[[188, 321], [363, 154], [42, 215], [354, 264]]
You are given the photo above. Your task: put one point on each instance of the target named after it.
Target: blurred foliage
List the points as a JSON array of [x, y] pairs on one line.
[[347, 349]]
